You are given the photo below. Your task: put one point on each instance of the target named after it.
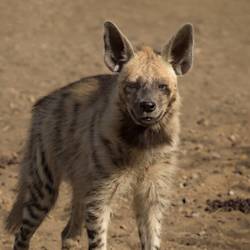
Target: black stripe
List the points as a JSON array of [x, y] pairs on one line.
[[37, 177], [38, 190], [46, 167], [117, 159], [76, 108], [32, 213], [59, 117], [48, 174], [21, 244], [49, 188], [91, 217], [91, 234], [95, 158], [33, 196], [108, 145], [40, 208], [24, 232], [142, 246], [28, 223], [96, 244]]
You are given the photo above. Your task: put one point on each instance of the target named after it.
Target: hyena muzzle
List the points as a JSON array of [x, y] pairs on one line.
[[106, 135]]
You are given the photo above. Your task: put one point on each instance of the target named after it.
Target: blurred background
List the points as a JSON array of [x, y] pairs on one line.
[[45, 44]]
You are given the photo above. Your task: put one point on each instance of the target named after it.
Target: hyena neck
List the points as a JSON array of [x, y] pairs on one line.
[[140, 137]]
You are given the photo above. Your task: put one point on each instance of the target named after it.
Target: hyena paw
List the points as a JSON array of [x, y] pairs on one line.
[[71, 244]]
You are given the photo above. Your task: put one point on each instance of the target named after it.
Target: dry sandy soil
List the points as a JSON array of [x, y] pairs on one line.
[[46, 44]]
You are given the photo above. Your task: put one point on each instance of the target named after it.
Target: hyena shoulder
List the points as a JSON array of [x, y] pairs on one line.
[[86, 91]]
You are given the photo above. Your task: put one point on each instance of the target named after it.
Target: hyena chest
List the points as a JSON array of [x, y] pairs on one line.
[[127, 157]]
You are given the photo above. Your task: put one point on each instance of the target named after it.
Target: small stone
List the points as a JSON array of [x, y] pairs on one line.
[[215, 155], [231, 193], [195, 176], [183, 184], [202, 233], [243, 157], [122, 227], [203, 122], [31, 98], [232, 138], [199, 147], [240, 169], [184, 200], [195, 214]]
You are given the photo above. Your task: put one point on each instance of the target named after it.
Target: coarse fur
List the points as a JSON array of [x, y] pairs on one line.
[[105, 135]]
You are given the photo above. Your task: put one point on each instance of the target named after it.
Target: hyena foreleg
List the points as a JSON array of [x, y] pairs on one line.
[[97, 215], [40, 196], [149, 206]]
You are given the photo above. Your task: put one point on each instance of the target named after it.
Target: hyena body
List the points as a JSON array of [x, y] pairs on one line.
[[106, 135]]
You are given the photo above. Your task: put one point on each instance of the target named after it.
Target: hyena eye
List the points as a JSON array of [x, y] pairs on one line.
[[164, 87], [132, 86]]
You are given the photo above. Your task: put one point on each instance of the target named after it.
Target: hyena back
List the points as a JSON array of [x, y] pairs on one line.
[[106, 134]]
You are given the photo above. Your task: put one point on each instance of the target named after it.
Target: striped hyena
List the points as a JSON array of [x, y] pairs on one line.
[[106, 134]]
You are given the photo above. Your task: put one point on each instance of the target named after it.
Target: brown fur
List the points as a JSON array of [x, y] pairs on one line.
[[84, 133]]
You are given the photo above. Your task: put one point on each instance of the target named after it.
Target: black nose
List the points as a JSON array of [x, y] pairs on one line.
[[147, 106]]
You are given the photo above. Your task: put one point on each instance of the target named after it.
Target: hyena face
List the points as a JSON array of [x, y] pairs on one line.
[[148, 81], [147, 87]]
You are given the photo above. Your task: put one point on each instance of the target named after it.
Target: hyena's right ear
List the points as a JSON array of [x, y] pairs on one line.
[[118, 49]]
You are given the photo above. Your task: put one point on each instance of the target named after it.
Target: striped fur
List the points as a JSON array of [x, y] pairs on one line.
[[84, 133]]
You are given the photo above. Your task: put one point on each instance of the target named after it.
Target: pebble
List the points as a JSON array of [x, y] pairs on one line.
[[202, 233], [240, 169], [122, 227], [31, 98], [199, 147], [215, 155], [203, 122], [184, 200], [243, 157], [195, 214], [232, 138], [195, 176], [183, 184]]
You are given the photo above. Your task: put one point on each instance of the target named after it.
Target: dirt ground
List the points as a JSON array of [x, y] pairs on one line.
[[45, 44]]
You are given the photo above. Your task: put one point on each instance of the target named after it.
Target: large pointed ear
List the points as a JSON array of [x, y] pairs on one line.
[[118, 49], [179, 50]]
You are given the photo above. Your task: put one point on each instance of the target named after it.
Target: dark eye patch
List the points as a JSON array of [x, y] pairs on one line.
[[132, 86], [163, 87]]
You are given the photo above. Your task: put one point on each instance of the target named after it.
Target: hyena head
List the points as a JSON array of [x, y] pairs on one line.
[[147, 81]]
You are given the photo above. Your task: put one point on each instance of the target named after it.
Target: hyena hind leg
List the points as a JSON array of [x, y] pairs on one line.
[[41, 194], [36, 207], [72, 232]]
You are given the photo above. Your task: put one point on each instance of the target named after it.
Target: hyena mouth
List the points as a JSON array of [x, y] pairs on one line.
[[145, 120]]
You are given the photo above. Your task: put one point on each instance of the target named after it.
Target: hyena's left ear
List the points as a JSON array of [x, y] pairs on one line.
[[179, 51], [118, 49]]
